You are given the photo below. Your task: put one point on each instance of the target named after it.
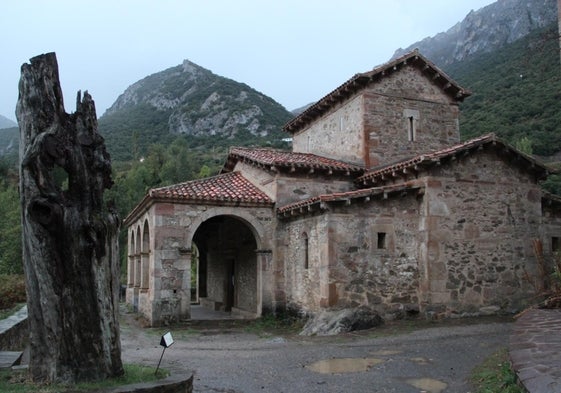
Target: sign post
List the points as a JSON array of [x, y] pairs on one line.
[[165, 342]]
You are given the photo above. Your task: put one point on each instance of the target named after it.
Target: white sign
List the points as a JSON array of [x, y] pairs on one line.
[[166, 340]]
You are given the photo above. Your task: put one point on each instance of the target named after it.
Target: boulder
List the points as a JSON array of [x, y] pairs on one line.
[[329, 322]]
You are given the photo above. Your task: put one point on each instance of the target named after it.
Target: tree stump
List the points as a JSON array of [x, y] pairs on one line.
[[70, 236]]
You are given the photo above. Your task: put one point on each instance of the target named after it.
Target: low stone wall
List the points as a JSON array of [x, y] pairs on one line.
[[172, 384], [14, 331]]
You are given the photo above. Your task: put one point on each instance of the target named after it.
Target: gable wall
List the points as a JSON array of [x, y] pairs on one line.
[[298, 188], [372, 128], [337, 135], [288, 188], [388, 106], [260, 178]]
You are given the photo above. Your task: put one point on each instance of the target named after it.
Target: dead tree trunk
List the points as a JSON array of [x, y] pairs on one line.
[[70, 238]]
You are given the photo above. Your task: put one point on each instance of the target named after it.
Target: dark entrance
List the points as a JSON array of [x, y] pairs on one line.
[[227, 271]]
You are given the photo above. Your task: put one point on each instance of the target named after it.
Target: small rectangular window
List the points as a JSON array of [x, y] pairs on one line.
[[555, 244], [381, 240]]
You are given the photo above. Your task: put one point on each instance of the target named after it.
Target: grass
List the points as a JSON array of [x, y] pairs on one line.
[[495, 375], [17, 382], [12, 290]]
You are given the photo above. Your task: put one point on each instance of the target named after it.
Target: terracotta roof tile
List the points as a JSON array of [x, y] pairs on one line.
[[402, 167], [286, 160], [312, 203], [226, 188]]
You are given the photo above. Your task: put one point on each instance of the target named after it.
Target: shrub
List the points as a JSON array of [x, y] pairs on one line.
[[12, 290]]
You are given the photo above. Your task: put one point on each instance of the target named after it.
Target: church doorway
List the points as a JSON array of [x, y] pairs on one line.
[[227, 274]]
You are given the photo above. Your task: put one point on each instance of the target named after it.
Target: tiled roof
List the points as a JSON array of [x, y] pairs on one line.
[[415, 164], [229, 187], [320, 202], [278, 160], [361, 80]]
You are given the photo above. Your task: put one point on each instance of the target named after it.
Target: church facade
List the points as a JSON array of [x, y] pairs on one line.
[[379, 204]]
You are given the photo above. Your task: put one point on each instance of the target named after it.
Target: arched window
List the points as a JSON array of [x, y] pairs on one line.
[[137, 265], [130, 261], [145, 257], [411, 118]]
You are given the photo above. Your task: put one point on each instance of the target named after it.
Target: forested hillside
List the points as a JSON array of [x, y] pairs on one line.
[[516, 92]]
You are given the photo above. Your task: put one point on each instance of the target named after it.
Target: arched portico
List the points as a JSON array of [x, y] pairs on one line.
[[229, 274]]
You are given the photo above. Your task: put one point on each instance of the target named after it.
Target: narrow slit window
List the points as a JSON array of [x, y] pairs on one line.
[[411, 128], [411, 118], [555, 244], [381, 240], [306, 250]]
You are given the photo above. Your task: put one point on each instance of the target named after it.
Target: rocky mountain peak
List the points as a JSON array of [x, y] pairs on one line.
[[486, 30]]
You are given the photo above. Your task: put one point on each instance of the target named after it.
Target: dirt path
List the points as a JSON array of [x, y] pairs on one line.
[[431, 359]]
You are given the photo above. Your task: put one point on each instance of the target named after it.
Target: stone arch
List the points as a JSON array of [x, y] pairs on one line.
[[145, 256], [264, 242], [130, 259], [229, 269], [137, 251]]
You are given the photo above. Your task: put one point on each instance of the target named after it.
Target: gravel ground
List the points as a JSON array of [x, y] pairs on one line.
[[400, 358]]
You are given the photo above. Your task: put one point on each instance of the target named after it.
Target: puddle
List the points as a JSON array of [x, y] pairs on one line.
[[428, 385], [386, 352], [343, 365], [420, 360]]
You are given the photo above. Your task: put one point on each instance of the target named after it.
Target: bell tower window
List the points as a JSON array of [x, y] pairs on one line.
[[411, 119]]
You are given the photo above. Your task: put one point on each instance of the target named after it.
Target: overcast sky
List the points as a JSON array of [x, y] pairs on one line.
[[294, 51]]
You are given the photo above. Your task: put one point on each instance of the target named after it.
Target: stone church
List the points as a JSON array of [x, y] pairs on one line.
[[379, 204]]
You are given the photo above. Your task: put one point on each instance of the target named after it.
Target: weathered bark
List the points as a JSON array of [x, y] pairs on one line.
[[70, 238]]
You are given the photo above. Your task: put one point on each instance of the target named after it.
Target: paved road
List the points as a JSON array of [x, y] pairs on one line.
[[433, 360]]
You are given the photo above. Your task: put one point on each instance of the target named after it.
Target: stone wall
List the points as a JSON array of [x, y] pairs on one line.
[[305, 261], [400, 101], [479, 220], [285, 189], [337, 135], [298, 188], [461, 247], [364, 254]]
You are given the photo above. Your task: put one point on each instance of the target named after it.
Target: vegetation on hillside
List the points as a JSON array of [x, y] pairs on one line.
[[516, 92], [212, 111]]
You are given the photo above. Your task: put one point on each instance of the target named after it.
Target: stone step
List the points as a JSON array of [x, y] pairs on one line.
[[9, 358]]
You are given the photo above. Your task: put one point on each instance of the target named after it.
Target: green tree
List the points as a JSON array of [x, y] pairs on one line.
[[524, 144]]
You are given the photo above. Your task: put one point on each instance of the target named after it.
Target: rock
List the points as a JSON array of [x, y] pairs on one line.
[[328, 323], [489, 310], [486, 29]]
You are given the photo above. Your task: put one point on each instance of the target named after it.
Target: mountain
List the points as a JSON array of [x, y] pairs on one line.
[[516, 92], [190, 100], [6, 123], [486, 30]]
